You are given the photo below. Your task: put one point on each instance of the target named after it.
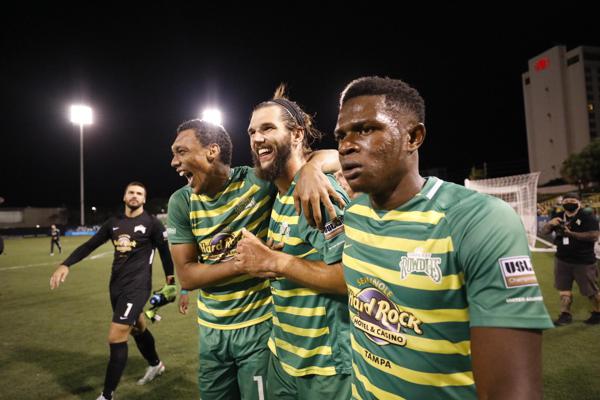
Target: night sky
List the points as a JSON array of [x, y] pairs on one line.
[[144, 71]]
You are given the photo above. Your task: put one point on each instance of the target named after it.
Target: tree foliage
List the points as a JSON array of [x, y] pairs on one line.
[[584, 167]]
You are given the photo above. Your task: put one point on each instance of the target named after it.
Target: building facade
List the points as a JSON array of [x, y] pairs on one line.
[[561, 92]]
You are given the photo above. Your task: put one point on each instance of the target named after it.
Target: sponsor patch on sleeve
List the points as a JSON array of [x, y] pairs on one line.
[[517, 271], [334, 227]]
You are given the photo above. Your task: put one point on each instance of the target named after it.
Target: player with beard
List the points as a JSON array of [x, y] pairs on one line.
[[134, 234], [310, 344], [206, 218]]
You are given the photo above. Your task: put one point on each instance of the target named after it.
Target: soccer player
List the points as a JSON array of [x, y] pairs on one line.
[[310, 339], [134, 234], [205, 221], [444, 301], [55, 239]]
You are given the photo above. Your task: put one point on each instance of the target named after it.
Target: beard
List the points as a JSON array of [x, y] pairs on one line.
[[134, 207], [283, 152]]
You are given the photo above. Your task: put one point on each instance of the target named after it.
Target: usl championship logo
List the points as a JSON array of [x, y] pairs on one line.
[[517, 271], [421, 262]]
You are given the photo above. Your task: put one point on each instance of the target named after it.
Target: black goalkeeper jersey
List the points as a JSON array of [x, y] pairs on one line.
[[134, 240]]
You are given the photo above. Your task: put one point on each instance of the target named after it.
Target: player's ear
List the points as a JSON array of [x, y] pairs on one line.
[[214, 150], [298, 135], [416, 137]]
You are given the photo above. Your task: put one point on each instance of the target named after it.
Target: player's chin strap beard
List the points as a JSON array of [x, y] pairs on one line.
[[133, 208]]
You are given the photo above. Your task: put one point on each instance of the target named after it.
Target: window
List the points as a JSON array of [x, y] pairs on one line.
[[573, 60]]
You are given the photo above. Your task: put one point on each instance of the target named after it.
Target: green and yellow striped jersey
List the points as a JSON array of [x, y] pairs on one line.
[[215, 224], [420, 276], [310, 329]]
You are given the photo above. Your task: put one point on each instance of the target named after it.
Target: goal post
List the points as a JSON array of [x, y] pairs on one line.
[[520, 191]]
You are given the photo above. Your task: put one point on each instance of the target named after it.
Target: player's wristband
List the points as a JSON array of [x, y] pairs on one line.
[[183, 292]]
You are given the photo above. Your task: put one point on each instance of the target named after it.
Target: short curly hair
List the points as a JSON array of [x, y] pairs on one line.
[[399, 96], [208, 133]]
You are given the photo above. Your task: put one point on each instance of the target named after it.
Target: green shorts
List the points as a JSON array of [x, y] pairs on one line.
[[281, 385], [233, 363]]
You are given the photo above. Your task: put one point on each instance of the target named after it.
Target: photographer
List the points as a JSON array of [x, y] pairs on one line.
[[575, 231]]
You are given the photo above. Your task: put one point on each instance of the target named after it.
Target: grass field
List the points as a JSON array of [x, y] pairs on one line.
[[54, 342]]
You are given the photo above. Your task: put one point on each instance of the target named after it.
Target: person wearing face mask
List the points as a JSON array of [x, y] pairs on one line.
[[575, 230]]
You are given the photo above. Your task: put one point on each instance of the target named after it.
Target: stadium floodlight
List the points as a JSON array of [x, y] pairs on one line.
[[212, 115], [81, 115]]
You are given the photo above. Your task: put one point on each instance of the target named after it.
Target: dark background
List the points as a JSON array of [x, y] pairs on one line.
[[144, 69]]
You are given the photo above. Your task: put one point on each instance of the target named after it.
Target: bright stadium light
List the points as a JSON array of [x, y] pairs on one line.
[[213, 116], [81, 115]]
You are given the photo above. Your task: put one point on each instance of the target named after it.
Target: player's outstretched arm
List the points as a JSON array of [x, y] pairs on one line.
[[79, 254], [507, 363], [313, 187], [194, 275], [59, 276]]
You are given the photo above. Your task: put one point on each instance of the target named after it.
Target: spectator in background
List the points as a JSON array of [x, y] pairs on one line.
[[575, 230], [55, 239]]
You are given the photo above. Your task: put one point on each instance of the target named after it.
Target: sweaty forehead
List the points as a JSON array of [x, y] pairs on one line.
[[185, 138], [364, 108]]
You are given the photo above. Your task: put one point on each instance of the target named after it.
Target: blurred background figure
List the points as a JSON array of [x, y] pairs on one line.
[[55, 239]]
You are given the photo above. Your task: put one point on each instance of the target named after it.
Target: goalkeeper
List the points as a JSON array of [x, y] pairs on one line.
[[134, 234]]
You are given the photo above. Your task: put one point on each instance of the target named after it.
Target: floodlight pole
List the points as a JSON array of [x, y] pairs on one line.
[[81, 173]]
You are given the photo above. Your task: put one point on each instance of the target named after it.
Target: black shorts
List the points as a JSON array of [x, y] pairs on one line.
[[128, 305], [586, 276]]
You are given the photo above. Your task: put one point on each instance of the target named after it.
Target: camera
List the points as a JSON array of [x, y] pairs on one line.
[[560, 228]]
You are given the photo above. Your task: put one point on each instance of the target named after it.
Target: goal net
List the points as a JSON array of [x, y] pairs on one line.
[[520, 191]]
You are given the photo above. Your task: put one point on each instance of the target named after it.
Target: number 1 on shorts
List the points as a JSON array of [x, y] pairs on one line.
[[259, 382], [129, 305]]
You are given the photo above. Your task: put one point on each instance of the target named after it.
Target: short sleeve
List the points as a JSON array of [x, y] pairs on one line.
[[179, 229], [590, 223], [330, 242], [159, 234], [493, 251]]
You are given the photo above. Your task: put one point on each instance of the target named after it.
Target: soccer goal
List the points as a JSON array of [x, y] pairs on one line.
[[520, 191]]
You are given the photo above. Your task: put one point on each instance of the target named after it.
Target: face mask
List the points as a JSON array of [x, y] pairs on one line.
[[570, 207]]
